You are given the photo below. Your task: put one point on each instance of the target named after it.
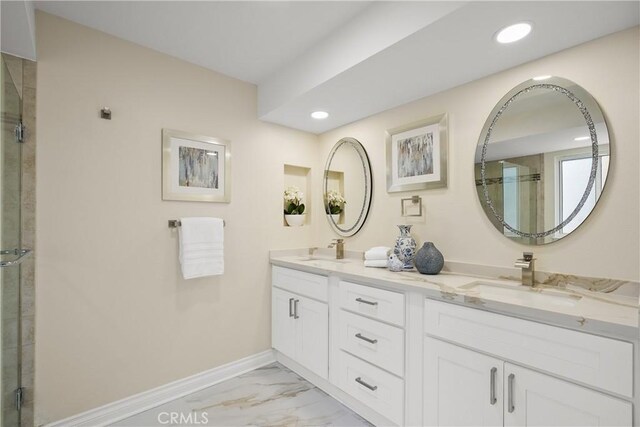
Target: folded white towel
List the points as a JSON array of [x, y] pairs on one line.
[[382, 263], [379, 252], [201, 247]]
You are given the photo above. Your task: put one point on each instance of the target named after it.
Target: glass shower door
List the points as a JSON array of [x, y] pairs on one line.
[[10, 253]]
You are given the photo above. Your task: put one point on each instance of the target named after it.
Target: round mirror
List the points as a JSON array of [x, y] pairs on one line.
[[542, 160], [347, 187]]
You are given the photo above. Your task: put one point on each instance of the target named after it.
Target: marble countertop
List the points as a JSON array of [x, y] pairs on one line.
[[607, 314]]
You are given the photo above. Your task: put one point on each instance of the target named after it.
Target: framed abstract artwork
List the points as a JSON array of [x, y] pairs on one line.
[[417, 155], [195, 168]]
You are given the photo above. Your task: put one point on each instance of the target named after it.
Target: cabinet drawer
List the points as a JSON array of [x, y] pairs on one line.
[[311, 285], [597, 361], [374, 387], [373, 302], [376, 342]]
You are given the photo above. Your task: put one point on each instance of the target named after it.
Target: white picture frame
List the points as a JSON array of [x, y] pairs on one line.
[[195, 168], [417, 155]]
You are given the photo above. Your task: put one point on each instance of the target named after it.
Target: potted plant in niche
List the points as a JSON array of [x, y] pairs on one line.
[[334, 204], [293, 206]]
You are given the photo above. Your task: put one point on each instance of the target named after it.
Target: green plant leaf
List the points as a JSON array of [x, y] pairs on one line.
[[291, 209], [300, 209]]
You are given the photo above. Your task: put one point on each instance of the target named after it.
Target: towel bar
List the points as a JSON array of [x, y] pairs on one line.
[[175, 223]]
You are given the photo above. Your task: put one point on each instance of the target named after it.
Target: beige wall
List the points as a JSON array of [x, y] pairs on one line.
[[606, 245], [114, 317]]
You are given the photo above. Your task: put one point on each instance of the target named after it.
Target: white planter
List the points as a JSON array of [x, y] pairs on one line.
[[336, 218], [294, 220]]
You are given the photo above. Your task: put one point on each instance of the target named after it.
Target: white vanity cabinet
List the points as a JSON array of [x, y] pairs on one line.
[[371, 343], [465, 386], [283, 323], [541, 400], [300, 323], [403, 356], [461, 387]]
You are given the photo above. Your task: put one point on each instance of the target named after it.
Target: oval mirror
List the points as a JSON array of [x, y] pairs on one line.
[[542, 160], [347, 187]]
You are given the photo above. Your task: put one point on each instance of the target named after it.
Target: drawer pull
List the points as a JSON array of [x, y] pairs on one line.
[[370, 387], [295, 308], [363, 338], [290, 307], [511, 406], [364, 301], [492, 390]]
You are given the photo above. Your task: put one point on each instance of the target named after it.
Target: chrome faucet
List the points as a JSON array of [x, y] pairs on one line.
[[339, 245], [527, 264]]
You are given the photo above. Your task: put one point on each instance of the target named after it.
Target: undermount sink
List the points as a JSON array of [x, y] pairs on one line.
[[522, 294], [318, 262]]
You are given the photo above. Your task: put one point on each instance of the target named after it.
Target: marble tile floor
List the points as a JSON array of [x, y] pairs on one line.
[[268, 396]]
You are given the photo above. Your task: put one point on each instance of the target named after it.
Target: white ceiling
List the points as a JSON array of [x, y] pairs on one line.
[[352, 59], [449, 52], [248, 40]]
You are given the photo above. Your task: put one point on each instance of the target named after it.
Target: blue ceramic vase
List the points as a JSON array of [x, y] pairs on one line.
[[429, 259], [405, 248]]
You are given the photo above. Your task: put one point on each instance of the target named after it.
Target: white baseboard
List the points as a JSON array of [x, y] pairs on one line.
[[116, 411]]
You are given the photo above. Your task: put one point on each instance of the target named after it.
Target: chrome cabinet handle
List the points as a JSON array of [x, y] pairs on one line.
[[295, 308], [511, 406], [290, 307], [492, 390], [22, 254], [370, 387], [363, 338], [364, 301]]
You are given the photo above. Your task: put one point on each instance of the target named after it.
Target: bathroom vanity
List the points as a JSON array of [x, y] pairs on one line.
[[453, 349]]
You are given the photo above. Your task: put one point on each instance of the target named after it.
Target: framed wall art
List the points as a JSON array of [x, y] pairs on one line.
[[417, 155], [195, 168]]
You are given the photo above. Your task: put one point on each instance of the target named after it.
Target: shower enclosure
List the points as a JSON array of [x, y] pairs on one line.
[[11, 251]]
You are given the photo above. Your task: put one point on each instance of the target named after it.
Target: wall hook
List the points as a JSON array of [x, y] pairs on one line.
[[105, 113]]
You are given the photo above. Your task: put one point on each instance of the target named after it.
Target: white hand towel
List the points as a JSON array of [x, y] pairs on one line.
[[381, 263], [201, 247], [379, 252]]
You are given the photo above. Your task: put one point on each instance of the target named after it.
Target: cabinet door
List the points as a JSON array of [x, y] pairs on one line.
[[283, 324], [312, 335], [535, 399], [461, 387]]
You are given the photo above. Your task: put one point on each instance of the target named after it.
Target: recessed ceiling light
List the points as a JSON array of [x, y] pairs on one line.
[[582, 138], [513, 33], [319, 115], [542, 78]]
